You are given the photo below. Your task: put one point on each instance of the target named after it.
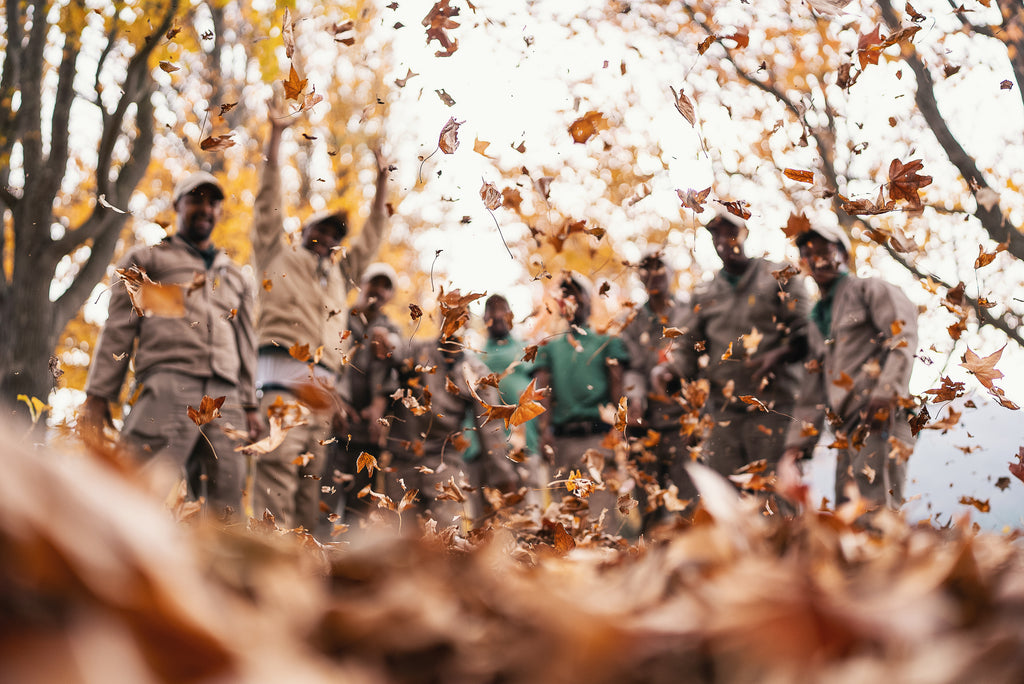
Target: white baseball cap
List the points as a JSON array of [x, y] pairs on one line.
[[195, 180]]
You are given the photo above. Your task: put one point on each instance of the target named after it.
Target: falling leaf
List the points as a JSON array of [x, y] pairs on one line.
[[683, 105], [580, 486], [401, 82], [741, 39], [949, 70], [983, 368], [172, 32], [754, 401], [705, 44], [449, 138], [288, 34], [169, 67], [438, 22], [919, 420], [299, 352], [455, 310], [447, 99], [218, 142], [526, 409], [490, 195], [480, 147], [947, 391], [1017, 469], [751, 341], [1005, 85], [784, 274], [799, 176], [293, 85], [415, 312], [530, 353], [982, 506], [728, 352], [564, 543], [986, 258], [671, 333], [102, 201], [905, 183], [227, 107], [209, 410], [736, 208], [587, 126], [693, 199], [149, 298], [366, 460], [450, 387]]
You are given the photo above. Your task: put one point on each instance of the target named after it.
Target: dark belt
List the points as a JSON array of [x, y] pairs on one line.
[[274, 387], [578, 428]]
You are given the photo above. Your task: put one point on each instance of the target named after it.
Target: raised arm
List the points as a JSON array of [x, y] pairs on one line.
[[268, 216], [363, 249]]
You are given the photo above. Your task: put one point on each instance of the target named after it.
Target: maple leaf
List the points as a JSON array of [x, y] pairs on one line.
[[526, 409], [209, 410], [693, 199], [684, 105], [366, 460], [844, 381], [149, 298], [869, 47], [293, 85], [947, 391], [438, 22], [455, 310], [585, 127], [490, 195], [580, 486], [799, 176], [217, 142], [983, 368], [904, 182], [448, 141]]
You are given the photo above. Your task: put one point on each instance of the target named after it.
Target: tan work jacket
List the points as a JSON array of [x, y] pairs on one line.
[[214, 338], [304, 301], [723, 313], [869, 354]]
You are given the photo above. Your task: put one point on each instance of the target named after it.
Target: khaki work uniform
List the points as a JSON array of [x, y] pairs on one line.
[[869, 353], [733, 324], [303, 301], [210, 350]]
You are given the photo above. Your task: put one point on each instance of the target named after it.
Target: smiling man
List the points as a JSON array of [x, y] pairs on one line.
[[208, 350], [863, 343], [304, 304]]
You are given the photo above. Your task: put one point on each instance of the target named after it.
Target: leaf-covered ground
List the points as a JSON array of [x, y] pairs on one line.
[[100, 583]]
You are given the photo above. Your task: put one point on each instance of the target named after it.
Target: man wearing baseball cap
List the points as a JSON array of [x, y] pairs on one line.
[[750, 323], [863, 343], [303, 307], [194, 340], [368, 380]]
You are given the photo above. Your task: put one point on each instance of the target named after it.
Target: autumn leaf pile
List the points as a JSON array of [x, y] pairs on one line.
[[99, 583]]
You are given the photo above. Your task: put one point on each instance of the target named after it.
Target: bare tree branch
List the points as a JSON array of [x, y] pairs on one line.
[[60, 129], [991, 218]]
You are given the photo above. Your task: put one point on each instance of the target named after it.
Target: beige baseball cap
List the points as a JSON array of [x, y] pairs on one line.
[[379, 268], [194, 180], [830, 233]]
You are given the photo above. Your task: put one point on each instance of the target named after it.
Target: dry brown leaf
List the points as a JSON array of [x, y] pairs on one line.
[[983, 368], [684, 106], [293, 85], [587, 126], [490, 195], [208, 411], [693, 199], [216, 142], [448, 141], [366, 460], [799, 176]]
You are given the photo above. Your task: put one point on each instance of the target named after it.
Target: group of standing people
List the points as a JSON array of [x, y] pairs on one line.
[[744, 370]]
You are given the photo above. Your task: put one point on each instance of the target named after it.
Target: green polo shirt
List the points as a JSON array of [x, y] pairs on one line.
[[498, 356], [579, 379]]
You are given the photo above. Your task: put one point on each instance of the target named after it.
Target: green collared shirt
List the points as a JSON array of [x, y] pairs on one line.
[[821, 312]]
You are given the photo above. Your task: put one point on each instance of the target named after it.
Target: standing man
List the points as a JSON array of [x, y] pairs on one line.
[[429, 423], [303, 305], [862, 346], [503, 355], [752, 328], [584, 370], [369, 379], [207, 350], [649, 410]]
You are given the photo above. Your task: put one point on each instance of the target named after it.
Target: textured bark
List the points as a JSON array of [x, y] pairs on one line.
[[31, 322]]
